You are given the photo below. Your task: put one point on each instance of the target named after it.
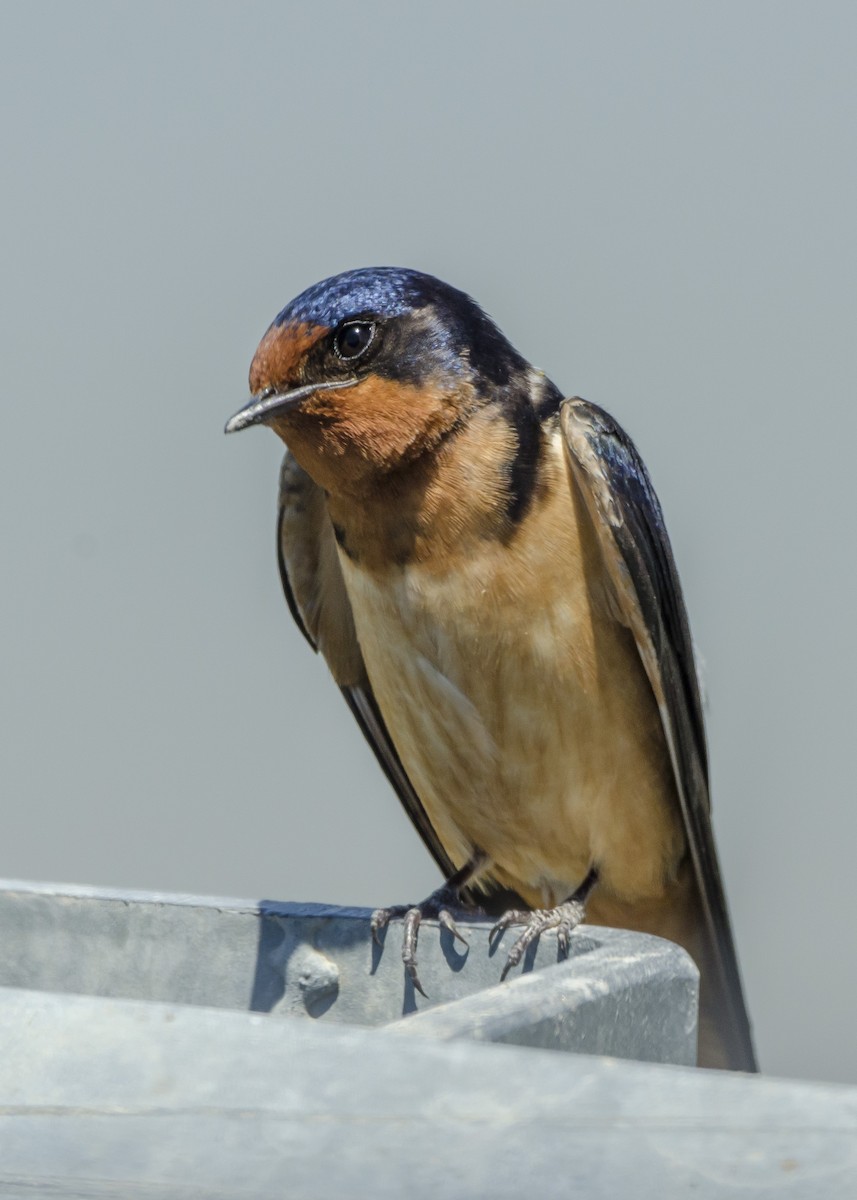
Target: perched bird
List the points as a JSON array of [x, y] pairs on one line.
[[485, 568]]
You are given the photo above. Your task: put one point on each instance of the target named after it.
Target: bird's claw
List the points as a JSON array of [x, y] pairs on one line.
[[436, 907], [564, 918], [410, 933], [381, 918], [445, 919]]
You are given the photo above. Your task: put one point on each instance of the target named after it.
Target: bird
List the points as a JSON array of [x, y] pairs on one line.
[[484, 566]]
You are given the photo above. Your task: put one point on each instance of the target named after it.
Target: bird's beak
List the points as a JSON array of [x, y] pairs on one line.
[[260, 409]]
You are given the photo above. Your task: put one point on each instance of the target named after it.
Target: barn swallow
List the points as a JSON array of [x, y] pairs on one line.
[[485, 567]]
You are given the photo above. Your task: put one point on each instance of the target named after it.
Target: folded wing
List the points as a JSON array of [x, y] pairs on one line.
[[630, 527]]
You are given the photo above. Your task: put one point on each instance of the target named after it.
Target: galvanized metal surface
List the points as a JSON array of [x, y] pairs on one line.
[[154, 1086], [618, 993], [125, 1099]]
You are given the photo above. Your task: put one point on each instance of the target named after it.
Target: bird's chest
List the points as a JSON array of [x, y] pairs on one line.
[[487, 678], [519, 706], [477, 642], [472, 647], [474, 605]]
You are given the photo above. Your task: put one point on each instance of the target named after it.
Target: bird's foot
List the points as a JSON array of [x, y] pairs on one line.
[[564, 918], [436, 906]]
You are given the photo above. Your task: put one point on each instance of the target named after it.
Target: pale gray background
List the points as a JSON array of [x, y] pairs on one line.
[[657, 203]]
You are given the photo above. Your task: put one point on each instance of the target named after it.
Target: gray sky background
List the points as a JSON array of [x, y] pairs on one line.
[[656, 202]]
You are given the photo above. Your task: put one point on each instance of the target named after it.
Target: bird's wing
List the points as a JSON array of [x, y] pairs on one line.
[[630, 527], [317, 599]]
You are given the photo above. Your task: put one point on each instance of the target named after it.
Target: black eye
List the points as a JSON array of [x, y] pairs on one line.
[[351, 340]]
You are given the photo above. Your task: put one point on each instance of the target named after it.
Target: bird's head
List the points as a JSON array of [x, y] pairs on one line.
[[370, 369]]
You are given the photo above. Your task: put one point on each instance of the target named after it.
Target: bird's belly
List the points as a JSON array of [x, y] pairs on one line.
[[524, 720]]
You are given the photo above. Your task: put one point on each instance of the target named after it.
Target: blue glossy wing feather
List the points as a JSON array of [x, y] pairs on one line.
[[632, 533]]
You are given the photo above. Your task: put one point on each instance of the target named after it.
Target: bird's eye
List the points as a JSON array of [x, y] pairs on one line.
[[353, 339]]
